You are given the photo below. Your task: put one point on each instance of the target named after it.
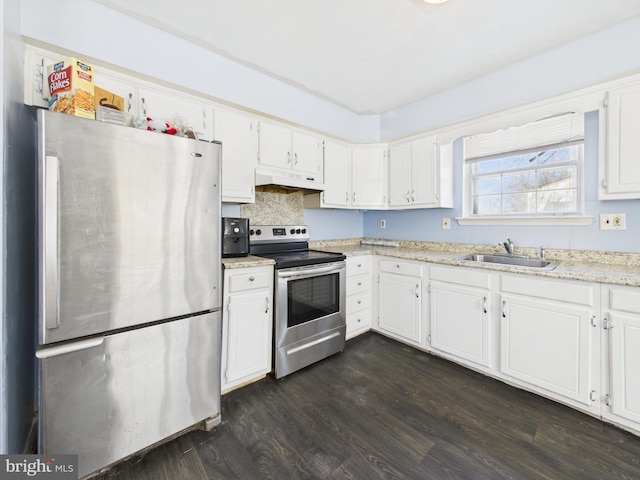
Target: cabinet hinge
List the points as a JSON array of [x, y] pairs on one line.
[[39, 78], [607, 400]]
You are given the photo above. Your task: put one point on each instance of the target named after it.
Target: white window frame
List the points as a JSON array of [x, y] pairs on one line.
[[552, 131]]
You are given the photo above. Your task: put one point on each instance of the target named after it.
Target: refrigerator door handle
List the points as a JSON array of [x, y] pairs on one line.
[[50, 263], [69, 347]]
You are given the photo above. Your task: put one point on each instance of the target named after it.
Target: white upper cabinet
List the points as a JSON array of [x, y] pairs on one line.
[[369, 176], [400, 175], [237, 132], [176, 108], [420, 174], [337, 175], [290, 150], [620, 144]]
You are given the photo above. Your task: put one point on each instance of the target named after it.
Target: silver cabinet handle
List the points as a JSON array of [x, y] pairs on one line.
[[359, 283], [288, 157], [408, 200], [144, 106], [129, 105], [347, 196], [504, 309], [295, 158], [484, 304], [251, 279], [413, 195], [417, 291], [267, 305]]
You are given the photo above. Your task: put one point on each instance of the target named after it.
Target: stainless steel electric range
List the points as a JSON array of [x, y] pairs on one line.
[[309, 296]]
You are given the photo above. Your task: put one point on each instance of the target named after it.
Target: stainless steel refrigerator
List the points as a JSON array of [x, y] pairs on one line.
[[129, 288]]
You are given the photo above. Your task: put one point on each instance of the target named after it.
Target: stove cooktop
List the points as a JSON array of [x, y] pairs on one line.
[[302, 258]]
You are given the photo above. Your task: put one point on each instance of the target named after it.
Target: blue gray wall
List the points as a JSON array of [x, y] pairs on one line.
[[19, 248]]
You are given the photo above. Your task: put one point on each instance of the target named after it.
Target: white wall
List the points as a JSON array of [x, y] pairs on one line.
[[96, 32], [593, 59]]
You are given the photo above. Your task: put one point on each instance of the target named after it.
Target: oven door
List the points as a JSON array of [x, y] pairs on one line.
[[310, 319]]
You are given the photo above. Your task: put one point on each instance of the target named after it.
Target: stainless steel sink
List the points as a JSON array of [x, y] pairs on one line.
[[512, 260]]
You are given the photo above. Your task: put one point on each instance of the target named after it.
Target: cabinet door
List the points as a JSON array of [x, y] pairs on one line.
[[621, 175], [548, 345], [425, 178], [625, 366], [369, 177], [399, 307], [120, 86], [337, 175], [176, 108], [400, 175], [307, 155], [236, 132], [249, 336], [275, 145], [460, 321]]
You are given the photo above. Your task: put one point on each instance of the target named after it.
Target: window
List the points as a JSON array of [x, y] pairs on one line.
[[532, 170]]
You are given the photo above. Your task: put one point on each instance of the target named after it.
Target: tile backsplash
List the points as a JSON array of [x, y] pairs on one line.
[[275, 209]]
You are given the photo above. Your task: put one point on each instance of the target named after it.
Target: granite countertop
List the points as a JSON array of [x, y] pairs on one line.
[[246, 262], [601, 267]]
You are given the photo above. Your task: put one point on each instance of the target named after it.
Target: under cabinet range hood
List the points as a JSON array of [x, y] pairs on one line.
[[288, 181]]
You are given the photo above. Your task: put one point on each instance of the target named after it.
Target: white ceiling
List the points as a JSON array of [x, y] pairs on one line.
[[371, 56]]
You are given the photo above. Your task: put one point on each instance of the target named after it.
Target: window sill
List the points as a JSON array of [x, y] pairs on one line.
[[576, 220]]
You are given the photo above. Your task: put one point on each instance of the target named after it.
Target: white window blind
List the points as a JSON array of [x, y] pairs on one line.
[[557, 130]]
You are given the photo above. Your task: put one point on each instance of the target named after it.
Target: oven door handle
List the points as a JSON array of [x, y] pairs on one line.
[[310, 271]]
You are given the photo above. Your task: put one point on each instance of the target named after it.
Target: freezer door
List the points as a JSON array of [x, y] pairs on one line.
[[108, 397], [129, 226]]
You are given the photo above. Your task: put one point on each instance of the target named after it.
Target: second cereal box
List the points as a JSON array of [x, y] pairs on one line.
[[71, 88]]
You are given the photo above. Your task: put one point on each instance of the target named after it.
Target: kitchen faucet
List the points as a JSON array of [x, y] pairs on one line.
[[508, 246]]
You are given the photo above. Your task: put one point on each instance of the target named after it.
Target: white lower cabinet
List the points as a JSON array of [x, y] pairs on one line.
[[400, 300], [549, 340], [358, 306], [460, 306], [247, 326], [621, 324]]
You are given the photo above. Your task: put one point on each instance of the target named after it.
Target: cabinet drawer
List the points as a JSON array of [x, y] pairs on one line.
[[565, 291], [239, 282], [358, 265], [461, 276], [626, 299], [359, 320], [358, 302], [401, 268], [358, 285]]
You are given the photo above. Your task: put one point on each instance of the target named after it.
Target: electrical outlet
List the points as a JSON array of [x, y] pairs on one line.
[[446, 223], [613, 221], [383, 223]]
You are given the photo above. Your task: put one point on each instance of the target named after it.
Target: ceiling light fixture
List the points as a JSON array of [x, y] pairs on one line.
[[435, 2]]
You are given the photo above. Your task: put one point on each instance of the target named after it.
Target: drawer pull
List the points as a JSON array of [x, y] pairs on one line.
[[359, 302], [251, 279], [359, 283]]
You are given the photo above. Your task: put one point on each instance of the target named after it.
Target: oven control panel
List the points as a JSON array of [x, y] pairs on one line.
[[278, 233]]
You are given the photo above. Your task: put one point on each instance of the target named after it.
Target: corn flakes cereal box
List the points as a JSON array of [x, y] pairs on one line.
[[71, 88]]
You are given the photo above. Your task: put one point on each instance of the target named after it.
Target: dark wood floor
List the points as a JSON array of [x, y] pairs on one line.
[[385, 410]]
